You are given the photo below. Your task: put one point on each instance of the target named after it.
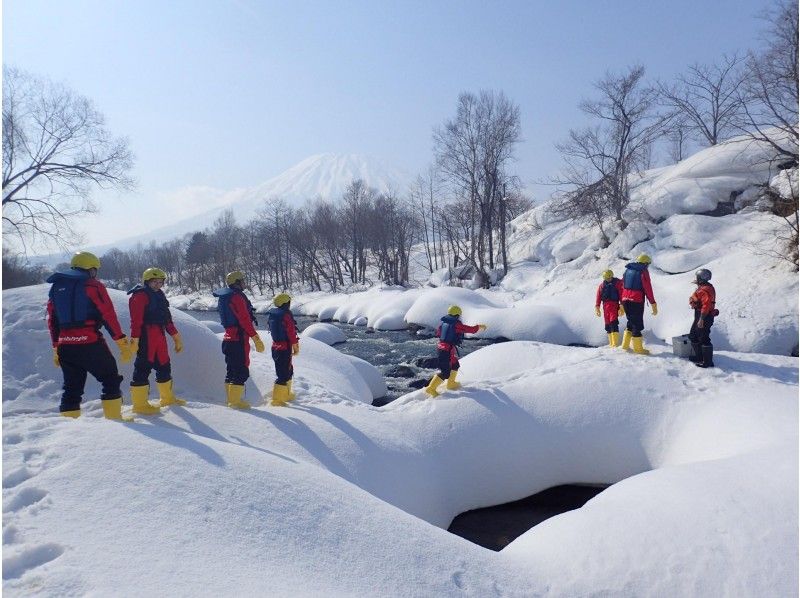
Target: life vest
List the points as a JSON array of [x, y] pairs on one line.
[[226, 316], [157, 310], [610, 291], [277, 326], [447, 331], [632, 279], [73, 307]]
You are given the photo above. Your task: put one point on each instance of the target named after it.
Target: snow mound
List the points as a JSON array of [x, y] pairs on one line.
[[325, 333]]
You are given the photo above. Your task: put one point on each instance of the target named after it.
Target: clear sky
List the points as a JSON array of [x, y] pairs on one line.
[[229, 93]]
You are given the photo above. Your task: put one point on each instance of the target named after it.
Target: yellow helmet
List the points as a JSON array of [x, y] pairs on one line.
[[608, 275], [644, 259], [454, 310], [233, 277], [152, 273], [281, 299], [84, 260]]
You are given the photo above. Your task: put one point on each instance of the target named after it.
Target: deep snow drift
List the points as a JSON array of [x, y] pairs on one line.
[[332, 496]]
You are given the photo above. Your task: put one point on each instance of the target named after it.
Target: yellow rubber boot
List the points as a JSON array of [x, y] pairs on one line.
[[112, 409], [638, 346], [235, 394], [451, 381], [626, 340], [292, 396], [73, 414], [433, 384], [280, 395], [611, 342], [167, 396], [139, 400]]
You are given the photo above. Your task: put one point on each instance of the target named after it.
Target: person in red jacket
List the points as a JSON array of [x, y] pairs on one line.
[[237, 316], [450, 332], [610, 293], [285, 344], [637, 288], [77, 307], [703, 302], [151, 321]]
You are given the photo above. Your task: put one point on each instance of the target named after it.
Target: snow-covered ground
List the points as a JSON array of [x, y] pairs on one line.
[[332, 496]]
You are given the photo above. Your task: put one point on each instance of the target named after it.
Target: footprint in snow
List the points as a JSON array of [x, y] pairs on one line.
[[15, 566], [25, 498], [16, 477]]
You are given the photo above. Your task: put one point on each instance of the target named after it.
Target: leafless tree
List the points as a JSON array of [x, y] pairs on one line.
[[707, 97], [55, 150]]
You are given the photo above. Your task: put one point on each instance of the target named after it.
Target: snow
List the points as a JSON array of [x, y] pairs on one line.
[[705, 463], [326, 333]]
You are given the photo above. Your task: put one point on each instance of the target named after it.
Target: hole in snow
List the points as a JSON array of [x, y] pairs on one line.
[[496, 527]]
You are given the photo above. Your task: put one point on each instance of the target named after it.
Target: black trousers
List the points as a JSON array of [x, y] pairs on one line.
[[445, 367], [237, 371], [284, 370], [79, 360], [142, 367], [635, 314], [612, 326], [701, 335]]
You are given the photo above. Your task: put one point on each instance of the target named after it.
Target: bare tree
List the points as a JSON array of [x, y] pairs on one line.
[[707, 97], [55, 150]]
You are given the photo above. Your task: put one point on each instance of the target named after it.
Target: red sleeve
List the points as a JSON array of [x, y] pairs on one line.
[[462, 328], [170, 328], [291, 329], [648, 288], [98, 295], [597, 297], [52, 322], [706, 301], [620, 288], [239, 309], [137, 304]]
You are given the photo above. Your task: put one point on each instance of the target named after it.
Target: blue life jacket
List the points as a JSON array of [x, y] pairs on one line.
[[157, 310], [226, 315], [447, 331], [633, 276], [277, 327], [72, 305], [610, 292]]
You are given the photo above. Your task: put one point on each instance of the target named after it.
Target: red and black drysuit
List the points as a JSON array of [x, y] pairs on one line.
[[283, 330], [703, 302], [237, 315], [636, 287], [151, 321], [451, 332], [610, 293], [78, 306]]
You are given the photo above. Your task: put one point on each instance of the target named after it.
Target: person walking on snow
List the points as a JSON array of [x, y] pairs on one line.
[[637, 288], [285, 344], [703, 302], [77, 307], [237, 315], [151, 321], [450, 333], [610, 293]]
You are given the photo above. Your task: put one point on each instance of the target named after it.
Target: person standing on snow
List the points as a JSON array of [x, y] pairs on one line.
[[610, 293], [703, 302], [77, 307], [236, 314], [450, 333], [150, 320], [285, 344], [637, 288]]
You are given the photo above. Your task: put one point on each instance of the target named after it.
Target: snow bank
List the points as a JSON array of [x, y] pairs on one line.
[[325, 333]]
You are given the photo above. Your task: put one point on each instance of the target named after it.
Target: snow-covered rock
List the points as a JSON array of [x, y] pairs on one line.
[[326, 333]]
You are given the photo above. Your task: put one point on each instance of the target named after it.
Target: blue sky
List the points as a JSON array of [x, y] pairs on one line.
[[229, 93]]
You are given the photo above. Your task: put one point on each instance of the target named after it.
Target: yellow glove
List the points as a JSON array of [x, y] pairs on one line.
[[134, 344], [125, 354], [56, 361], [295, 348], [621, 311], [258, 343], [178, 342], [654, 308], [597, 310], [481, 327]]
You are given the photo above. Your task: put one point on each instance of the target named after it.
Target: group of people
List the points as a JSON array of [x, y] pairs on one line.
[[626, 297], [79, 306]]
